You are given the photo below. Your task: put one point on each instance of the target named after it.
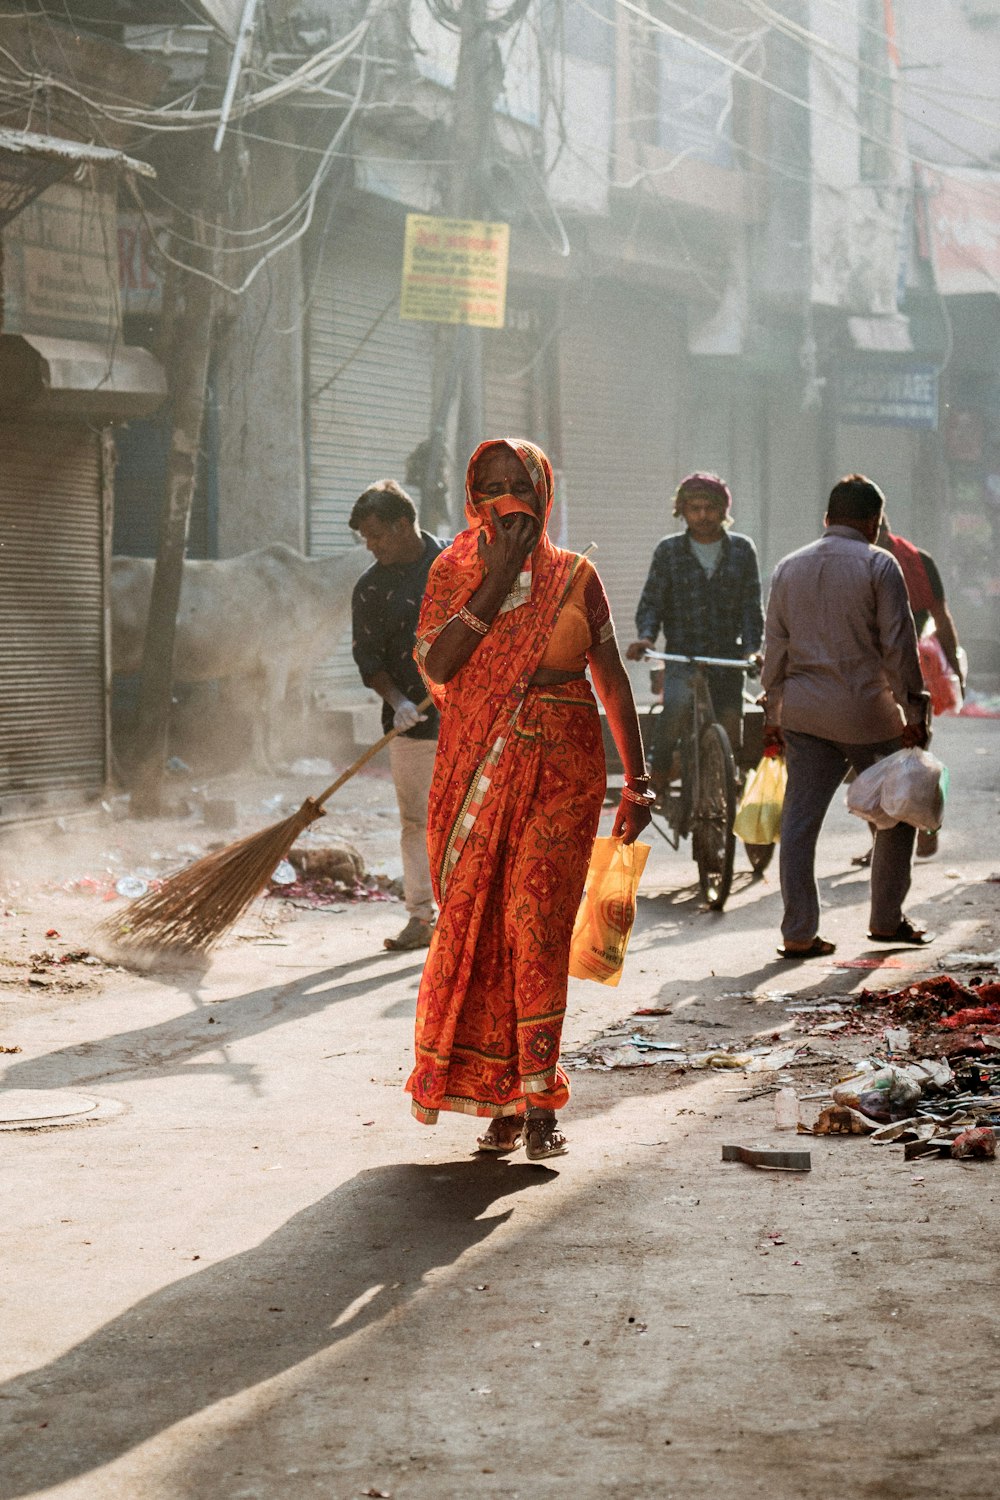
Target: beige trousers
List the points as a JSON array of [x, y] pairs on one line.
[[412, 763]]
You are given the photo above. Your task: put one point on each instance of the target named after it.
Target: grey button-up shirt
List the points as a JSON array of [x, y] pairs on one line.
[[840, 648]]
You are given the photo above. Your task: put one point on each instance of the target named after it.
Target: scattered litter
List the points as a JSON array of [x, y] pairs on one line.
[[979, 1142], [784, 1161], [773, 1061], [840, 1119], [963, 960], [897, 1038], [653, 1010], [678, 1201], [889, 961], [9, 1051], [132, 887], [283, 873]]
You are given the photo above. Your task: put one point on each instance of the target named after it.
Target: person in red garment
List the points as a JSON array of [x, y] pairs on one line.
[[925, 591], [509, 628]]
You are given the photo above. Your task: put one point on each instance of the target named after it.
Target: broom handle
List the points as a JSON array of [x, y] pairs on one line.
[[363, 760]]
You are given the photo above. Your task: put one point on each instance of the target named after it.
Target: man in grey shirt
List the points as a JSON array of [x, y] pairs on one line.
[[842, 688]]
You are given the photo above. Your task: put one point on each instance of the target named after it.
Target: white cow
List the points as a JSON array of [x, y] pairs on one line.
[[258, 624]]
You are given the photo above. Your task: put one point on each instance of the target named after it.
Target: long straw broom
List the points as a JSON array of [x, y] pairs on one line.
[[196, 906]]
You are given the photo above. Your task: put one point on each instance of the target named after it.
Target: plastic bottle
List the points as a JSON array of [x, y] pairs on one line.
[[786, 1109]]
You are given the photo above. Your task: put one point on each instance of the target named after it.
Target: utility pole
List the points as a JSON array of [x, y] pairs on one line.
[[188, 383], [458, 351]]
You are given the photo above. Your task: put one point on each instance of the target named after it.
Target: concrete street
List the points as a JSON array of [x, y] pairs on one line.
[[259, 1279]]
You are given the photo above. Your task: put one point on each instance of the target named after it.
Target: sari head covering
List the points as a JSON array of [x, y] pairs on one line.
[[458, 571], [478, 506]]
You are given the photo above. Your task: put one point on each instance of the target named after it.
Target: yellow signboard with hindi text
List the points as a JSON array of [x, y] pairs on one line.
[[455, 271]]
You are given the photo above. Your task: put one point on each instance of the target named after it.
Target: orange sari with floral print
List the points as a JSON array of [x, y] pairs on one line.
[[518, 785]]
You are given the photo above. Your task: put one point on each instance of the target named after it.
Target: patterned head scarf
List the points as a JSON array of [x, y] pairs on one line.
[[477, 506], [704, 485]]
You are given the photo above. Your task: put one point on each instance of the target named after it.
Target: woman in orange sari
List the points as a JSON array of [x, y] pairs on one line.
[[509, 626]]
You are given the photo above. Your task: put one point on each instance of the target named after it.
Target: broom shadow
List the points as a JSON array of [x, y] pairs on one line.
[[341, 1265], [171, 1048]]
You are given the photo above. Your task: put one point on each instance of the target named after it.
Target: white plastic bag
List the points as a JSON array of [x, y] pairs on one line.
[[906, 787]]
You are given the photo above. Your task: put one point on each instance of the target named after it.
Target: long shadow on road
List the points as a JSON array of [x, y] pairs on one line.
[[340, 1265], [171, 1047]]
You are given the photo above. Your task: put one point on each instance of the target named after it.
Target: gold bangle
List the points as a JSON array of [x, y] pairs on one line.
[[474, 623], [642, 798]]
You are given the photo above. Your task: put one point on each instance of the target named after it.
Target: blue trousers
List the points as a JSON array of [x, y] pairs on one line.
[[726, 688], [816, 768]]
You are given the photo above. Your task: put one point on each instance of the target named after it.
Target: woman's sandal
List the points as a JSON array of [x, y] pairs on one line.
[[542, 1136], [504, 1134]]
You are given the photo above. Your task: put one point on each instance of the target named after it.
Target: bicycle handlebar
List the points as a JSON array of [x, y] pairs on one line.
[[700, 661]]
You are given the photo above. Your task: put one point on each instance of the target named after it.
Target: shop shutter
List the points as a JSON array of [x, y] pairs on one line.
[[510, 358], [52, 697], [621, 373], [369, 378]]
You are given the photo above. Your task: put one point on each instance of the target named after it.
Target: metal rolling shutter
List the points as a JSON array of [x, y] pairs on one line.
[[369, 383], [509, 358], [52, 702], [621, 362]]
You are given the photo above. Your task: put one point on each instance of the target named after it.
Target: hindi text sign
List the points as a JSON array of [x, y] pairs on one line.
[[454, 271]]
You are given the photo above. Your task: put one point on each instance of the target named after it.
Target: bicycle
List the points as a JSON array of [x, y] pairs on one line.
[[704, 803]]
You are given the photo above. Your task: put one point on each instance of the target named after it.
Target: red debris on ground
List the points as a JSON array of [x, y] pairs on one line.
[[957, 1012], [320, 890], [983, 1017]]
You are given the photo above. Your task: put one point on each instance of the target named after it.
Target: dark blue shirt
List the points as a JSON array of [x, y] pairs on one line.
[[385, 608], [702, 615]]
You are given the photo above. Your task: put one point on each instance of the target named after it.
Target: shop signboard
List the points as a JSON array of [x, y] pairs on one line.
[[61, 264], [455, 271], [881, 394]]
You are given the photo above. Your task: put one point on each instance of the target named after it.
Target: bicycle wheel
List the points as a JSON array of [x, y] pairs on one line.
[[712, 837], [760, 856]]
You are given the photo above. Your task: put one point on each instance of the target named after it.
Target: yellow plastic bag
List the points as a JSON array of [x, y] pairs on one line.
[[607, 911], [758, 818]]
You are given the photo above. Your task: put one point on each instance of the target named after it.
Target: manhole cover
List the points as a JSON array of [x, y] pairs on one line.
[[38, 1109]]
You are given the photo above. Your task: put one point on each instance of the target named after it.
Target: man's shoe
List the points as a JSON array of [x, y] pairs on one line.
[[927, 842], [416, 934]]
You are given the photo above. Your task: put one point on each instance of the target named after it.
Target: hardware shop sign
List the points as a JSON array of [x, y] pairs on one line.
[[888, 395], [454, 271]]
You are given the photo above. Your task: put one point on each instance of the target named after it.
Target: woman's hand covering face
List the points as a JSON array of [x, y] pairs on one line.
[[513, 540]]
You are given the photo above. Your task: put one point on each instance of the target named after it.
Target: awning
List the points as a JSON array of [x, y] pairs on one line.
[[880, 335], [961, 228], [73, 378], [29, 163]]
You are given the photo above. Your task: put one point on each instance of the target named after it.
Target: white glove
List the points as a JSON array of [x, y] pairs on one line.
[[407, 715]]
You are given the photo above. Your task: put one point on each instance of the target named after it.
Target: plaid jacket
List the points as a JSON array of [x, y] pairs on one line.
[[700, 615]]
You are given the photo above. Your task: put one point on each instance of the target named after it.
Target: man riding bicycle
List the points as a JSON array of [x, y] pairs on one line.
[[703, 592]]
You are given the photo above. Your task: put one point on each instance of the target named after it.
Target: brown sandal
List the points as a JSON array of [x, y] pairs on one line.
[[504, 1134], [542, 1136], [818, 948]]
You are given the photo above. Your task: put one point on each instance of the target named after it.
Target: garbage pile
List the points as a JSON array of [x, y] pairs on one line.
[[946, 1103], [328, 875], [954, 1019]]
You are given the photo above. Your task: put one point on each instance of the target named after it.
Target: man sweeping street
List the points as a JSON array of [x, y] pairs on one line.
[[842, 686], [385, 607]]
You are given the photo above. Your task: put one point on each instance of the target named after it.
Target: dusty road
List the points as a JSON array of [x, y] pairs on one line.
[[260, 1279]]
